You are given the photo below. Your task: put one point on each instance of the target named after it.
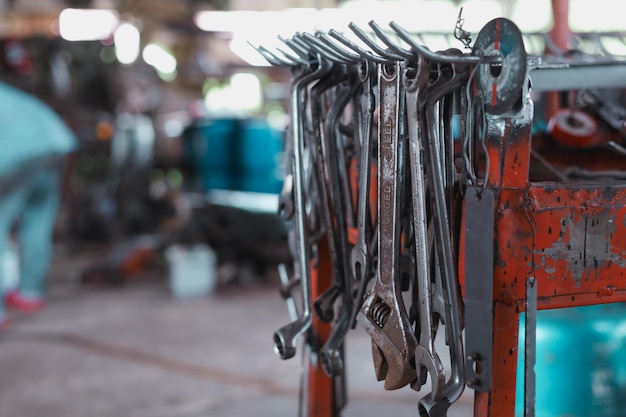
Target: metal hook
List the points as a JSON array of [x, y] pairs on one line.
[[301, 59], [297, 47], [305, 47], [378, 30], [422, 50], [272, 58], [369, 42], [461, 34], [362, 52], [324, 49], [298, 59], [323, 37]]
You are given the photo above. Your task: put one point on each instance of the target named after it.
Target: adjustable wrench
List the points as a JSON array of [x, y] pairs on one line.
[[383, 314]]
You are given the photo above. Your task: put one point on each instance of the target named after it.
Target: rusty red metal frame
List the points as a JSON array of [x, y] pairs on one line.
[[570, 236]]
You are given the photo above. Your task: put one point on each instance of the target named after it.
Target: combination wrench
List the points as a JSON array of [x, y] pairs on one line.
[[451, 77], [285, 338], [330, 353], [360, 256], [416, 80]]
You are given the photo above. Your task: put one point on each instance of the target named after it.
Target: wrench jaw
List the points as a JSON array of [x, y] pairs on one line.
[[381, 367], [285, 338], [332, 362], [394, 341], [429, 407], [428, 363], [324, 304], [331, 354]]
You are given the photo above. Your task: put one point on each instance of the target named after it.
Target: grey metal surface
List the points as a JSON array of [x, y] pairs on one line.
[[479, 263], [530, 348], [579, 76]]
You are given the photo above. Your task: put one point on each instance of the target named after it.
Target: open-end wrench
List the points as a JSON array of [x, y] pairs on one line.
[[383, 314], [426, 359], [450, 77], [285, 338]]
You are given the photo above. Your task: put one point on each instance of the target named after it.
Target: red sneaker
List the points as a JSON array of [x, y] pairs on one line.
[[26, 305]]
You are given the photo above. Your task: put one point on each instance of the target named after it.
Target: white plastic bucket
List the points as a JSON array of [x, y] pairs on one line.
[[9, 268], [192, 270]]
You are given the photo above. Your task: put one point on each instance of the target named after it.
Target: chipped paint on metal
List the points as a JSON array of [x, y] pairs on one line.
[[584, 243]]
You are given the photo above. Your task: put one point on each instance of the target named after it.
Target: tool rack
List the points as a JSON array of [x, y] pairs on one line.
[[554, 244], [524, 244]]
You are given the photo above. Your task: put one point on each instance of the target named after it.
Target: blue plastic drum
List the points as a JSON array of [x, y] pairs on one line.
[[580, 364], [260, 168], [211, 148]]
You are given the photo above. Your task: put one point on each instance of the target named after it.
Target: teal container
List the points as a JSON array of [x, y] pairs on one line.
[[259, 145], [211, 147], [259, 162], [260, 182], [580, 362]]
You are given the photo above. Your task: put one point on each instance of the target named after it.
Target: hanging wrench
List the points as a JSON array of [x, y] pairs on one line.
[[285, 338], [324, 304], [383, 314], [426, 358], [330, 353], [360, 258], [451, 77]]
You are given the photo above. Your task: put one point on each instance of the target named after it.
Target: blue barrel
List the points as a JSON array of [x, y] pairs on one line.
[[259, 150], [580, 362], [211, 148]]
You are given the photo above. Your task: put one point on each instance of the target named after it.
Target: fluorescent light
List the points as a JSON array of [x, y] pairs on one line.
[[242, 94], [598, 15], [220, 21], [127, 41], [246, 87], [87, 25], [434, 15], [164, 62]]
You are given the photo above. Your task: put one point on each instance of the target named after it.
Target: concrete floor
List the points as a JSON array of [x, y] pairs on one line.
[[135, 351]]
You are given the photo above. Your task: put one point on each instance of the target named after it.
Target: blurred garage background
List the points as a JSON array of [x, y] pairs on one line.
[[162, 295]]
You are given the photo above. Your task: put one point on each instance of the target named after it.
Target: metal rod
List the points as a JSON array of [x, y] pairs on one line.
[[362, 52], [530, 346], [434, 56]]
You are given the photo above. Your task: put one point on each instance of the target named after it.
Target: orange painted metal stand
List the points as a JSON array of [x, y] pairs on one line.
[[569, 236], [321, 390], [326, 396]]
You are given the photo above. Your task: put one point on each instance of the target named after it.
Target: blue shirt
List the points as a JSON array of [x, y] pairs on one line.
[[29, 130]]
